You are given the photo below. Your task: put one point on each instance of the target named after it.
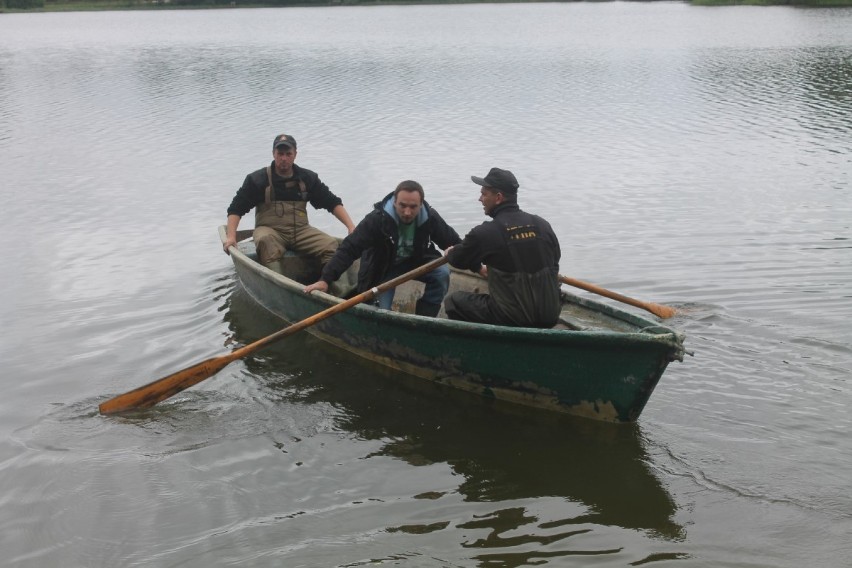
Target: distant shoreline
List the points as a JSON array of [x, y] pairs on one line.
[[18, 6]]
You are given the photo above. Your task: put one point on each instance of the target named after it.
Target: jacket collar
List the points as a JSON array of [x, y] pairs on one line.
[[504, 208], [296, 170], [386, 205]]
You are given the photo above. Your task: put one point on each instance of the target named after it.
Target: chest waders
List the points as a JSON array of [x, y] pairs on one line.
[[524, 298], [283, 225], [279, 223]]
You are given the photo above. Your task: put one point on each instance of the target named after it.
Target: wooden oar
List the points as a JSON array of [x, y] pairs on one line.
[[152, 393], [656, 309]]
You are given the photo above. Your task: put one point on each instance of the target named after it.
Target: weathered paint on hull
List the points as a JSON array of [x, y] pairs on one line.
[[602, 375]]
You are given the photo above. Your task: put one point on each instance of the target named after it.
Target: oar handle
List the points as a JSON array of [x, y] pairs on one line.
[[161, 389], [656, 309]]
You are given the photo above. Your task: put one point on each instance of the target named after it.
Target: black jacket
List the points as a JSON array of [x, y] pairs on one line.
[[522, 254], [375, 241], [253, 191]]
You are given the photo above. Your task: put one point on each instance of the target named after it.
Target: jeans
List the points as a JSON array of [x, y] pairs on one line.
[[437, 283]]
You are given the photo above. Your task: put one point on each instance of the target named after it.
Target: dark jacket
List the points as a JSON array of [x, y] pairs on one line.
[[522, 254], [376, 238], [253, 191]]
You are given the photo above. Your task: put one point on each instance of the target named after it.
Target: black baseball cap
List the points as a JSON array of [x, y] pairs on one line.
[[284, 140], [501, 180]]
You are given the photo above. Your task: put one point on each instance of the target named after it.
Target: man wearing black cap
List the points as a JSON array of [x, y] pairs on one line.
[[280, 193], [517, 252]]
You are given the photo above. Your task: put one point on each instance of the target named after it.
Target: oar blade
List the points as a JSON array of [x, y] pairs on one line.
[[152, 393], [661, 311], [161, 389]]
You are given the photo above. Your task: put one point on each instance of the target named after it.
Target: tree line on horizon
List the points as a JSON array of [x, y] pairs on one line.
[[108, 4], [59, 5]]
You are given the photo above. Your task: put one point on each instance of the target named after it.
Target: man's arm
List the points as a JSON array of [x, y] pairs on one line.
[[248, 196], [231, 232], [343, 216], [360, 239], [468, 254], [343, 258], [321, 197]]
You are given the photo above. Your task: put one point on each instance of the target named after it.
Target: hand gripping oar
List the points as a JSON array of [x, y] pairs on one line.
[[152, 393], [656, 309]]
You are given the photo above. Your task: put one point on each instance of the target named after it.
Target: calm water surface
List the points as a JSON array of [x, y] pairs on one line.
[[694, 157]]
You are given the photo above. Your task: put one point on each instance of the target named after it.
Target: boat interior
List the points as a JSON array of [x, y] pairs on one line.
[[578, 314]]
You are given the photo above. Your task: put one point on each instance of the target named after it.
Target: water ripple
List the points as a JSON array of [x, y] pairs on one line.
[[681, 157]]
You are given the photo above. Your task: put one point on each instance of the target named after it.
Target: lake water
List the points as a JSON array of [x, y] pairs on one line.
[[694, 157]]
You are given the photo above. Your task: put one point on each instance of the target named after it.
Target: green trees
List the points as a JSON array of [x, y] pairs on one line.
[[22, 4]]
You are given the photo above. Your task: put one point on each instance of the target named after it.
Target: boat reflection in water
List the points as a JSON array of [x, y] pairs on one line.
[[504, 452]]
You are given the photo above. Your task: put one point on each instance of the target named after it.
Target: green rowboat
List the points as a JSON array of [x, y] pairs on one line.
[[598, 362]]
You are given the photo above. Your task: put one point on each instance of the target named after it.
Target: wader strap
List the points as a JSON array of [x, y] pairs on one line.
[[303, 190], [269, 185]]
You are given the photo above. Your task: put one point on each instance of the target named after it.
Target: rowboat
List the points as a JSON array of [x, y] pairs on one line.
[[598, 362]]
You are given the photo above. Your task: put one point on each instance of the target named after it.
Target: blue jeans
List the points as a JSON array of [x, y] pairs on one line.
[[437, 283]]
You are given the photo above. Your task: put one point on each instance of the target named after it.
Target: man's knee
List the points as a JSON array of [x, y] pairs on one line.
[[450, 307], [317, 243], [437, 283], [268, 245], [328, 252], [468, 306], [442, 274]]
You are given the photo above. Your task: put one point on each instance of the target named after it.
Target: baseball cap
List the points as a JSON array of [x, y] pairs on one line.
[[284, 140], [501, 180]]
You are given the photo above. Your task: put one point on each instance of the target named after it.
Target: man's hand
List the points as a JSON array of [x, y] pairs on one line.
[[229, 242], [320, 285]]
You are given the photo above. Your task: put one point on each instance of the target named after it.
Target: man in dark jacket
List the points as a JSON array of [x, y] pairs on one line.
[[519, 255], [280, 194], [397, 236]]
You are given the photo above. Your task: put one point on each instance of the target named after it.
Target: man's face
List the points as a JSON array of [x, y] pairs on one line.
[[489, 199], [284, 157], [407, 205]]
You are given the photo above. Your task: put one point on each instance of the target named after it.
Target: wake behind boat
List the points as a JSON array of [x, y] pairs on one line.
[[598, 361]]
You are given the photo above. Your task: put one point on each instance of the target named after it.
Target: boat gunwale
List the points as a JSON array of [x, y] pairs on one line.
[[653, 332]]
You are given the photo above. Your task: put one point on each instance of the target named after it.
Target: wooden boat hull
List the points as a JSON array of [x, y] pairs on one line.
[[606, 373]]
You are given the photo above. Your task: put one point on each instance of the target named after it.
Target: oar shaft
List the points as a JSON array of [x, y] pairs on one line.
[[656, 309], [343, 306], [161, 389]]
